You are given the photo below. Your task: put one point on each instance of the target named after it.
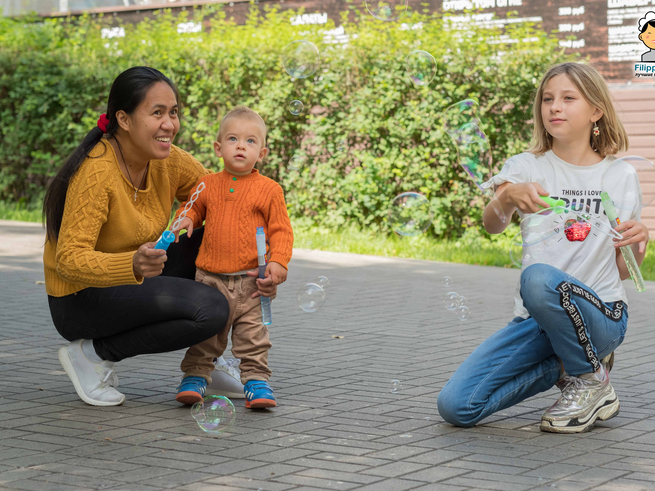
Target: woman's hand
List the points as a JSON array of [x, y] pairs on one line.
[[265, 286], [187, 224], [633, 232], [148, 261], [526, 196]]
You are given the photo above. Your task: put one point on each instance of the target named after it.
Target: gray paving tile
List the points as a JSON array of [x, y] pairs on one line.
[[336, 426]]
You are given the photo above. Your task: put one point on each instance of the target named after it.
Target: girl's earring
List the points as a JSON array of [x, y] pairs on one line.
[[596, 130]]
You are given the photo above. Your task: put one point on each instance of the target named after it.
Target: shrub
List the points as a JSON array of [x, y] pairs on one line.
[[55, 76]]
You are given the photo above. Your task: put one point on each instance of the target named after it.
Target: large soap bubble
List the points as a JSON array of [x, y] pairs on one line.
[[214, 415], [421, 67], [410, 214], [386, 10], [630, 184], [311, 297], [301, 59], [460, 114], [543, 230], [473, 149]]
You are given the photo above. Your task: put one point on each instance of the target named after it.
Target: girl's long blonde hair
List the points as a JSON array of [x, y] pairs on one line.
[[612, 138]]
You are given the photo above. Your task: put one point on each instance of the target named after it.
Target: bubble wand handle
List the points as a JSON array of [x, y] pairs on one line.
[[168, 237], [267, 316], [628, 255]]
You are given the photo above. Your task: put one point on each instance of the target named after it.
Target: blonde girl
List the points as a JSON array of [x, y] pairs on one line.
[[570, 309]]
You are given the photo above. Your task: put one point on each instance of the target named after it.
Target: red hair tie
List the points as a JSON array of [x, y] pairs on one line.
[[103, 122]]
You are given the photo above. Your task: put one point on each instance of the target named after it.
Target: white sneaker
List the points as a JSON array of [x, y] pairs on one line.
[[226, 379], [93, 382]]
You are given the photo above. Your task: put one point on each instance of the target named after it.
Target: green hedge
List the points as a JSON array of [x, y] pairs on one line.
[[55, 76]]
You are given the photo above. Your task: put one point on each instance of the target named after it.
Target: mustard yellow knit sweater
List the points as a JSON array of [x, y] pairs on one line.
[[103, 226]]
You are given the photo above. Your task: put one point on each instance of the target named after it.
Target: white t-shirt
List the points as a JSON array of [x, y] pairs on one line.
[[592, 259]]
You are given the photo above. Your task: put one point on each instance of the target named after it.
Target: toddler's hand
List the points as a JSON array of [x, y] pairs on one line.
[[633, 232], [276, 272], [265, 286], [187, 224], [526, 196]]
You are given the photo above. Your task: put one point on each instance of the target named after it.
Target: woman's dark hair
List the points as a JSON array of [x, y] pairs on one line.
[[127, 92], [650, 23]]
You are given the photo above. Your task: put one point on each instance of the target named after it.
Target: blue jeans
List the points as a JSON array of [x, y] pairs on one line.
[[567, 322]]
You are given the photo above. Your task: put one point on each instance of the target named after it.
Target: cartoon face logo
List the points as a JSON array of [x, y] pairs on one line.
[[647, 36]]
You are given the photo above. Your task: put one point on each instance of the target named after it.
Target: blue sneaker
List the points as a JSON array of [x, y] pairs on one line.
[[191, 390], [258, 395]]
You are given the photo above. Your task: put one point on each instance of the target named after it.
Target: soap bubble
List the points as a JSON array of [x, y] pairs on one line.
[[473, 149], [450, 300], [630, 183], [342, 146], [463, 313], [410, 214], [541, 231], [215, 414], [311, 297], [296, 162], [395, 386], [421, 67], [307, 245], [300, 59], [386, 10], [447, 281], [296, 107], [460, 114], [322, 281], [461, 301]]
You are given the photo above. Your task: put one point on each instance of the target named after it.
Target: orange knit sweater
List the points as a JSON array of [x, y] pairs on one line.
[[103, 226], [232, 208]]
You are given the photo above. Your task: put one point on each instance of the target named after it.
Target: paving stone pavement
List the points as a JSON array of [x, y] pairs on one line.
[[337, 426]]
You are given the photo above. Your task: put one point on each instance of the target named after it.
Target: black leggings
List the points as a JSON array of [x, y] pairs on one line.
[[165, 313]]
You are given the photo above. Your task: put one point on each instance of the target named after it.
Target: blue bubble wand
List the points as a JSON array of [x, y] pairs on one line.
[[267, 317], [168, 237]]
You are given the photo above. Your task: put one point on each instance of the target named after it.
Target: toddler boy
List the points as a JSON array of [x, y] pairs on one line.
[[233, 204]]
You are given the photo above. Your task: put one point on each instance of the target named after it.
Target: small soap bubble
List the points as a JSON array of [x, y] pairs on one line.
[[322, 281], [450, 300], [421, 67], [410, 214], [307, 245], [311, 297], [386, 10], [447, 281], [296, 107], [395, 386], [300, 59], [342, 145], [214, 415], [463, 313], [461, 301], [296, 162]]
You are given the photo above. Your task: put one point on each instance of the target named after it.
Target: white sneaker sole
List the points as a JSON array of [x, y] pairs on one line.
[[229, 395], [604, 413], [70, 371]]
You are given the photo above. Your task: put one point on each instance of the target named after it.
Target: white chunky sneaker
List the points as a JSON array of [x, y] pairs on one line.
[[93, 382], [226, 379], [584, 399]]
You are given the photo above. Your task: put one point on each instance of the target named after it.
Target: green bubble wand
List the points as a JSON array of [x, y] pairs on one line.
[[628, 255]]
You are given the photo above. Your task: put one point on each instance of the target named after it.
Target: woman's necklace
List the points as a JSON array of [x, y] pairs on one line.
[[136, 190]]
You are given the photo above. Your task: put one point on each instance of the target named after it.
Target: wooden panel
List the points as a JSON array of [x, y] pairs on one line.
[[639, 129], [646, 104], [633, 94]]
